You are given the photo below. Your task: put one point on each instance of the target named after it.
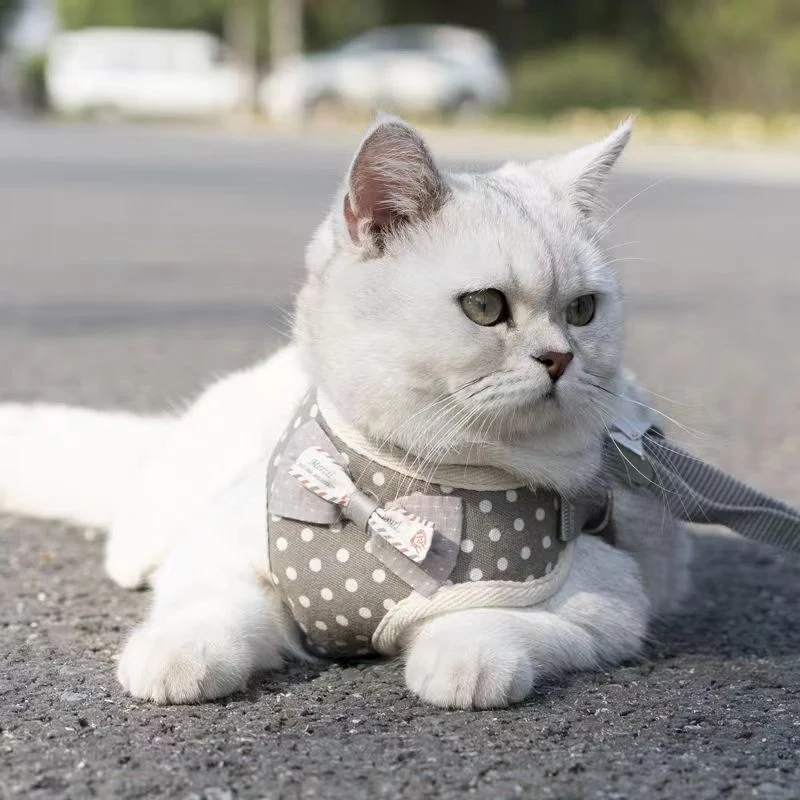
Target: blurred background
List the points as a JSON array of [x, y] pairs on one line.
[[294, 60]]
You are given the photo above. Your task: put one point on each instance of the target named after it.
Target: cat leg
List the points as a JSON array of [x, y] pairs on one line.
[[660, 544], [485, 658], [212, 626], [215, 621]]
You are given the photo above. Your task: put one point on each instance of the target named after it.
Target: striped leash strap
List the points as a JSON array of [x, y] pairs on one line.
[[696, 491]]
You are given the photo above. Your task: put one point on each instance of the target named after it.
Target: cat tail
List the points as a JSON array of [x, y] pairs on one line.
[[60, 462]]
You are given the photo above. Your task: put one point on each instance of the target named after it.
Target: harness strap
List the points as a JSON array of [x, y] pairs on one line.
[[698, 492]]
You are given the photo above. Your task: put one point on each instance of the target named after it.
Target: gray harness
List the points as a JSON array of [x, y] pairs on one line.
[[342, 580]]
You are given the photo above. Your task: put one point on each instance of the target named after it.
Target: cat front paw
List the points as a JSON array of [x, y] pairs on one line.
[[171, 663], [462, 660]]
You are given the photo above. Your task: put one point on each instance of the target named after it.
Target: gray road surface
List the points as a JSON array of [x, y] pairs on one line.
[[135, 265]]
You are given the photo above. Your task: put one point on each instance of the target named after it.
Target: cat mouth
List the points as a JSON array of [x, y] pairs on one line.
[[550, 396]]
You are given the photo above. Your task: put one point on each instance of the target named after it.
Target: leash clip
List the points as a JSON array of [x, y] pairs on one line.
[[630, 449]]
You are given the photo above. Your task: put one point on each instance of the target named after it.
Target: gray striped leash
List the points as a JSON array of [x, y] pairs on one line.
[[642, 457]]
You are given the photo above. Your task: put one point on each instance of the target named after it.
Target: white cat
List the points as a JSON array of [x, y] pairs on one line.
[[380, 329]]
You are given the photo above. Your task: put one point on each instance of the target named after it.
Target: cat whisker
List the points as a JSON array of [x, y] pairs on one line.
[[684, 428], [626, 259], [609, 219], [672, 400], [611, 247]]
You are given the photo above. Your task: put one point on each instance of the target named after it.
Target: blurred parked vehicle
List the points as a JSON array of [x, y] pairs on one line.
[[417, 69], [142, 72]]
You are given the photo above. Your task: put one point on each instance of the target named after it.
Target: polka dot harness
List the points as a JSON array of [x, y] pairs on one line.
[[352, 592]]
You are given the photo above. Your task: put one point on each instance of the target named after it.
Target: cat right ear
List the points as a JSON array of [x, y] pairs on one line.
[[583, 172], [393, 182]]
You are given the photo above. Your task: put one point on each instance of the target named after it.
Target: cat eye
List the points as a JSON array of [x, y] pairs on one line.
[[486, 307], [580, 311]]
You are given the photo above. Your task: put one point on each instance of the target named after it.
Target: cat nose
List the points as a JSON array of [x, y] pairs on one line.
[[554, 363]]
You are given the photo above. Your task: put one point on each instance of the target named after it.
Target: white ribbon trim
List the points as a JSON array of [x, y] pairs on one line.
[[461, 596]]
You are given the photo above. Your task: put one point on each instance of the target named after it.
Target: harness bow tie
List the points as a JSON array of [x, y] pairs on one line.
[[418, 534], [321, 474]]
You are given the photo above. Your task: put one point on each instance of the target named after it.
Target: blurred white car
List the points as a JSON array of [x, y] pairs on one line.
[[142, 72], [417, 69]]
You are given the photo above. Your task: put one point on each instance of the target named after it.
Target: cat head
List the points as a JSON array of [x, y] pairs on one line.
[[446, 311]]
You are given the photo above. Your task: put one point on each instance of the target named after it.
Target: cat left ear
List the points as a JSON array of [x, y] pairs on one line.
[[393, 181], [583, 172]]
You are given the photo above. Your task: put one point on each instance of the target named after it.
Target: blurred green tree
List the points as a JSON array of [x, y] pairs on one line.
[[203, 14], [738, 53]]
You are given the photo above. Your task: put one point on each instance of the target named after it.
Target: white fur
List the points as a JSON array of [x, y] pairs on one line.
[[67, 463], [379, 328]]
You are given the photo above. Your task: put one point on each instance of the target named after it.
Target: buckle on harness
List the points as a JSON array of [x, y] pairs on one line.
[[634, 463]]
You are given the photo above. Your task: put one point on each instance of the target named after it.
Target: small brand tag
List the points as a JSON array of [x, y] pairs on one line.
[[320, 473], [410, 534]]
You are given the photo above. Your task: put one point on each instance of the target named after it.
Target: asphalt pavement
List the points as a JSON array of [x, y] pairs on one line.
[[136, 264]]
